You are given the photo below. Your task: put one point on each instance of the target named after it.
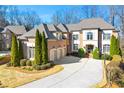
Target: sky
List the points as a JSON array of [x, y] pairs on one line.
[[46, 11]]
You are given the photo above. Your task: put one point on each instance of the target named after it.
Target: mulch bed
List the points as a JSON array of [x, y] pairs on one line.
[[5, 60]]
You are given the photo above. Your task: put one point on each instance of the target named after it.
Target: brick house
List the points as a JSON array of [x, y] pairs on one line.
[[68, 38]]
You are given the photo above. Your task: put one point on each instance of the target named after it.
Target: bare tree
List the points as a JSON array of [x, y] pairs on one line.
[[120, 14], [66, 16], [3, 11], [27, 18], [90, 11], [112, 14], [56, 18], [30, 19]]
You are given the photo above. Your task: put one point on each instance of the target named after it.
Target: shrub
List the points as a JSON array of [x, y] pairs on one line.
[[48, 65], [37, 67], [116, 58], [108, 57], [8, 64], [23, 62], [114, 73], [52, 63], [28, 63], [96, 54], [81, 52], [43, 67]]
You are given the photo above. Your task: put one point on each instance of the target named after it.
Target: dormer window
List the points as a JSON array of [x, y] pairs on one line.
[[89, 36], [59, 36]]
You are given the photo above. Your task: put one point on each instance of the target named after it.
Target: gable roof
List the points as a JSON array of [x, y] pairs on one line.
[[62, 27], [18, 30], [90, 23], [41, 28], [95, 23]]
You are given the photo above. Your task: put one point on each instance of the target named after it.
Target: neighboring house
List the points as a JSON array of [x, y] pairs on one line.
[[1, 29], [6, 35], [68, 38]]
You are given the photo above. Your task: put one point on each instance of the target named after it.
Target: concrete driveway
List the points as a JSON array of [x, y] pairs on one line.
[[77, 73]]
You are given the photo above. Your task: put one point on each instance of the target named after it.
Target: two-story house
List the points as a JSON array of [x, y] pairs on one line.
[[91, 33], [68, 38]]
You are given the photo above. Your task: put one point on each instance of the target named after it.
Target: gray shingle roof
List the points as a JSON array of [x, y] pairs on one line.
[[90, 23], [41, 28], [51, 27], [95, 23], [15, 29], [62, 27]]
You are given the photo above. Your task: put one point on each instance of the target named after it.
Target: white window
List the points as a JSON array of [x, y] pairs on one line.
[[89, 36], [75, 46], [75, 37], [106, 36], [106, 48]]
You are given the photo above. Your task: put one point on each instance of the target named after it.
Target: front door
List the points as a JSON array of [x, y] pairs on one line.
[[89, 48]]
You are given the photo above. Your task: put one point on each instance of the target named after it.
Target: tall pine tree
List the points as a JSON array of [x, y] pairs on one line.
[[113, 45], [38, 60], [20, 50], [44, 49], [14, 51]]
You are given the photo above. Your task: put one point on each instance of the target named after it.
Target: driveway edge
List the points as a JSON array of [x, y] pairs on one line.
[[103, 82]]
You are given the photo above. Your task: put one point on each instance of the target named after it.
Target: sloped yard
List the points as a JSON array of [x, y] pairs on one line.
[[13, 77]]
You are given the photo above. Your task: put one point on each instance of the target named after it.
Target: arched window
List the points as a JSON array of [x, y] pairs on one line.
[[89, 36]]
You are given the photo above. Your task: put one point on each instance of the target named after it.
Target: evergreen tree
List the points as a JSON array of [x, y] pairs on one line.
[[20, 50], [37, 49], [14, 51], [113, 45], [44, 49], [96, 53]]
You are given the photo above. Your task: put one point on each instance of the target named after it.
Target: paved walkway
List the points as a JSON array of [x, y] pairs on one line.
[[76, 74]]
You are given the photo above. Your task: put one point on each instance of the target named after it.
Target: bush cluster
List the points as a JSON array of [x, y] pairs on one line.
[[25, 62], [116, 58], [96, 53], [28, 63], [42, 67], [106, 56], [81, 52]]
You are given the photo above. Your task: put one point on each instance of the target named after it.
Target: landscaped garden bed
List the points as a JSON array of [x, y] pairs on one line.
[[4, 59], [17, 76]]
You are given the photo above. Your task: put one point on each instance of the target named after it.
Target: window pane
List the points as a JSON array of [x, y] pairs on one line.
[[106, 48], [89, 36], [106, 36], [75, 37], [75, 46]]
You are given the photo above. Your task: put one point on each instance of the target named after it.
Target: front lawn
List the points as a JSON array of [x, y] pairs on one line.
[[14, 76]]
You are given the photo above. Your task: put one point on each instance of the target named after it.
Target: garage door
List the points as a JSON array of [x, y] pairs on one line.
[[59, 53], [53, 54], [64, 52]]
